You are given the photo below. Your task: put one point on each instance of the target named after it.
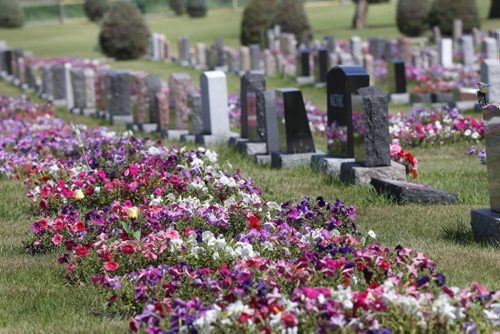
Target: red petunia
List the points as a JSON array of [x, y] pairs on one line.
[[111, 266], [80, 226], [81, 251], [128, 249]]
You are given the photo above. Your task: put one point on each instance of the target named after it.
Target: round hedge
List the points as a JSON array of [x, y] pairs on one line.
[[444, 12], [178, 6], [292, 18], [411, 16], [95, 9], [124, 35], [11, 14], [197, 8], [257, 18]]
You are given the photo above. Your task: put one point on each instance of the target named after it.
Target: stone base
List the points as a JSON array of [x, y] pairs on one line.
[[354, 173], [329, 164], [88, 112], [251, 148], [235, 141], [187, 138], [305, 80], [210, 139], [121, 119], [263, 159], [287, 160], [132, 127], [320, 84], [148, 127], [406, 192], [101, 114], [485, 225], [400, 98], [59, 103], [174, 134], [464, 105]]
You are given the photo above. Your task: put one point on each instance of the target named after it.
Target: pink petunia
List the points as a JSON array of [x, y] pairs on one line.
[[111, 265], [57, 238]]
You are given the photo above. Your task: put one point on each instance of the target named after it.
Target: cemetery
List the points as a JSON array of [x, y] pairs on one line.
[[280, 166]]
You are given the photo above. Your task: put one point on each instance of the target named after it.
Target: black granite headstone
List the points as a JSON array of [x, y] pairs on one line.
[[399, 76], [372, 142], [153, 84], [322, 65], [343, 121], [406, 192], [59, 83], [297, 137], [376, 47], [219, 51], [268, 126], [120, 93], [251, 82], [209, 57], [305, 67], [8, 55]]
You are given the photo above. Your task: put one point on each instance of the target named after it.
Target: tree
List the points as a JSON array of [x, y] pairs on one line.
[[411, 16], [257, 17], [360, 15], [494, 9], [444, 12], [11, 14], [292, 18]]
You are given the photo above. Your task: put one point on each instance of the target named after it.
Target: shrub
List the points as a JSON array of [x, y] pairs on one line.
[[95, 9], [378, 1], [124, 35], [257, 18], [291, 16], [197, 8], [11, 14], [411, 16], [444, 12], [178, 6]]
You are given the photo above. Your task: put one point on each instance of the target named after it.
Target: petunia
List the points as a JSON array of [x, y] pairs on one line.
[[111, 265], [57, 238]]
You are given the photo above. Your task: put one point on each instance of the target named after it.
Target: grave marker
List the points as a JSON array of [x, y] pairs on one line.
[[250, 84]]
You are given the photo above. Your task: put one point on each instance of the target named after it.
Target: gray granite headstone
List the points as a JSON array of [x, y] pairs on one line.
[[250, 83], [491, 116], [120, 94], [374, 149], [179, 85], [376, 47], [219, 51], [47, 81], [255, 57], [78, 83], [268, 125], [457, 29], [490, 73], [467, 50], [69, 89], [331, 43], [489, 48], [90, 88], [59, 82], [194, 103], [356, 49]]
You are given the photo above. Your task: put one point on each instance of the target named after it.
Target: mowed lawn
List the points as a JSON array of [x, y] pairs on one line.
[[34, 297]]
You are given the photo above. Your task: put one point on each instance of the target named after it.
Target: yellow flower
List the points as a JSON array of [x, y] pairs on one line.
[[79, 194], [133, 212]]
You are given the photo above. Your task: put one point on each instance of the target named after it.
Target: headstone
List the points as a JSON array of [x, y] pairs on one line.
[[387, 50], [296, 137], [59, 82], [446, 52], [90, 89], [477, 36], [219, 52], [406, 192], [331, 43], [305, 65], [78, 87], [489, 48], [490, 73], [194, 103], [250, 84], [210, 58], [321, 65], [140, 105], [47, 81], [163, 110], [406, 49], [342, 82], [376, 47], [179, 85], [255, 57], [457, 29], [201, 60], [436, 35], [288, 44], [120, 106], [153, 86], [399, 76], [245, 62], [215, 104], [467, 50], [356, 50], [269, 63], [69, 89], [371, 147], [183, 50], [267, 126], [233, 61]]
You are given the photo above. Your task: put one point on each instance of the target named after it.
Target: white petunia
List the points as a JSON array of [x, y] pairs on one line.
[[372, 234]]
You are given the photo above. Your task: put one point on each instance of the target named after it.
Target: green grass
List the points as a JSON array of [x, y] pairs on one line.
[[33, 295]]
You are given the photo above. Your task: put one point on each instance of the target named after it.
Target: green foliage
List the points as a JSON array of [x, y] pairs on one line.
[[96, 9], [178, 6], [443, 12], [411, 16], [257, 18], [124, 34], [377, 1], [197, 8], [11, 14], [292, 18]]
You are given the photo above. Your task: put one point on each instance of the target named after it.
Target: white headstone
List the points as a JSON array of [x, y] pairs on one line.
[[214, 103], [490, 73], [356, 49], [467, 50], [489, 48], [446, 52]]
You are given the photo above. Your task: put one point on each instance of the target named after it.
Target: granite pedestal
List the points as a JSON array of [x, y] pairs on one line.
[[406, 192], [354, 173], [401, 98], [287, 160], [329, 164], [485, 225]]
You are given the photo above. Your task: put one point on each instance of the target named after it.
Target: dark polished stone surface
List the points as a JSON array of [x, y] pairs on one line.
[[251, 119], [491, 117]]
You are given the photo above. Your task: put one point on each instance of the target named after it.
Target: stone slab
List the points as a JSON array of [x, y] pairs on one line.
[[263, 159], [175, 134], [235, 141], [354, 173], [329, 164], [406, 192], [132, 127], [209, 139], [122, 119], [305, 80], [401, 98], [290, 160], [485, 225], [148, 127], [88, 111], [464, 105], [251, 148], [188, 138]]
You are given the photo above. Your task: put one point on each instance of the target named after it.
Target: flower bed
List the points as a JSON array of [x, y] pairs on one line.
[[180, 245]]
